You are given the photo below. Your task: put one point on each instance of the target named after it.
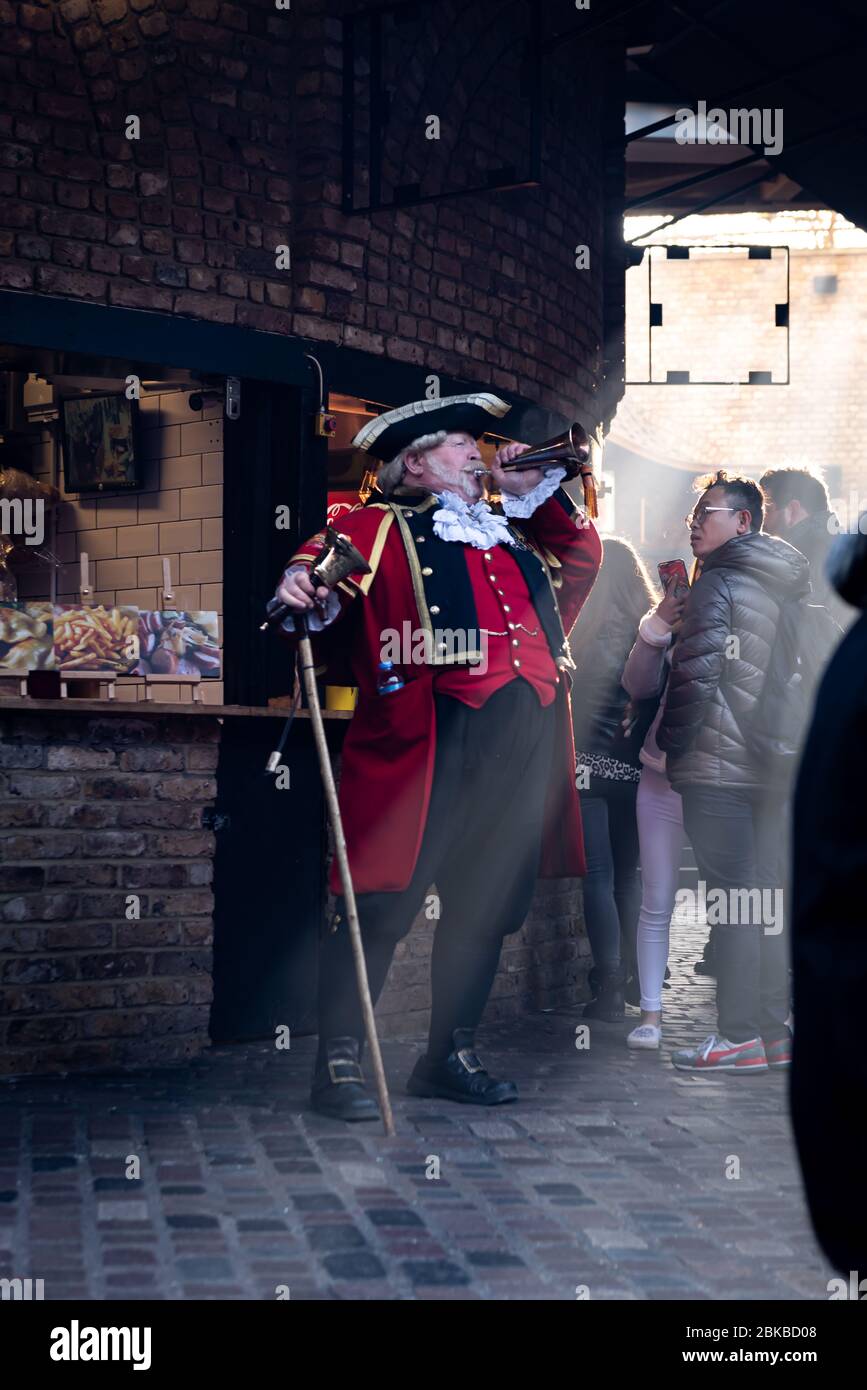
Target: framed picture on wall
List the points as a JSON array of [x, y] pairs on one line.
[[99, 443], [172, 643]]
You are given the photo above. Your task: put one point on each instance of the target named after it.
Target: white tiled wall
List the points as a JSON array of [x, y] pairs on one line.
[[176, 515]]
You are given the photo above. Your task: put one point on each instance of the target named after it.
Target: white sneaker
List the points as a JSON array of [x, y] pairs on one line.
[[647, 1036]]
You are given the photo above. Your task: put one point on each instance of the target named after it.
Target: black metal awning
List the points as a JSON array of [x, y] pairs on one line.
[[795, 57]]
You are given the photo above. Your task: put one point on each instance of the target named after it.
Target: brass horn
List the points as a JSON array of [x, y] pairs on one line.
[[571, 450]]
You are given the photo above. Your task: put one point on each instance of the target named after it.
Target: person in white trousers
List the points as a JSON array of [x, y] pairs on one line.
[[659, 811]]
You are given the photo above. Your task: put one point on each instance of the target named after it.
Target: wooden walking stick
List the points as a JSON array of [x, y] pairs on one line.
[[338, 559]]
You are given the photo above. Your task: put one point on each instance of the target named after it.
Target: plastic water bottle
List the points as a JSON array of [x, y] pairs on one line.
[[389, 680]]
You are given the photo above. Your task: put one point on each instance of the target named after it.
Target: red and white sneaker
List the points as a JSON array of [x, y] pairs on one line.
[[779, 1053], [718, 1054]]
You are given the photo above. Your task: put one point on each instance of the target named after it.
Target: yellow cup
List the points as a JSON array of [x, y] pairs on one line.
[[340, 697]]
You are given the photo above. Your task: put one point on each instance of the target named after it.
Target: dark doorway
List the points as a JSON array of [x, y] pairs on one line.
[[269, 865]]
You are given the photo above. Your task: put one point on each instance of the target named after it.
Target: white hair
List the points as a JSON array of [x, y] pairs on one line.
[[390, 475]]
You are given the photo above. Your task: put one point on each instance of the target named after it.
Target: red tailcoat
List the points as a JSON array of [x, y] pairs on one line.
[[390, 747]]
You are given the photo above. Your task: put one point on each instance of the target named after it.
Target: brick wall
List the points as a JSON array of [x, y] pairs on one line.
[[484, 288], [240, 153], [543, 966], [92, 810], [161, 222], [726, 321]]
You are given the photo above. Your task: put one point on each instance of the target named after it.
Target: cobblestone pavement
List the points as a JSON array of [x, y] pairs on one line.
[[610, 1174]]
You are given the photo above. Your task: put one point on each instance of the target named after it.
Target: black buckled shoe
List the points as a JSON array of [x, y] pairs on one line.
[[338, 1082], [460, 1076]]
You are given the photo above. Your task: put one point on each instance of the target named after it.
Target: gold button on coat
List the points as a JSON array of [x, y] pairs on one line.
[[434, 608], [427, 570]]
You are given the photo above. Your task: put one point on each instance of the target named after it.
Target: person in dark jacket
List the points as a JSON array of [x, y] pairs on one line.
[[798, 510], [608, 770], [717, 677], [829, 944]]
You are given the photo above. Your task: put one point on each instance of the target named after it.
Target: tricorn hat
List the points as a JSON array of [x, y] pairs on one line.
[[385, 435]]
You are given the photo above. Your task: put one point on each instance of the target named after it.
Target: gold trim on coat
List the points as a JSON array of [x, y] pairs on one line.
[[363, 585]]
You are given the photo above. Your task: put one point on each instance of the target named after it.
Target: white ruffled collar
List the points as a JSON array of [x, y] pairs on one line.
[[473, 523], [477, 525]]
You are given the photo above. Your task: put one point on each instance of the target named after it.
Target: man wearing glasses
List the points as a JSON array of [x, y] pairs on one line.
[[717, 675]]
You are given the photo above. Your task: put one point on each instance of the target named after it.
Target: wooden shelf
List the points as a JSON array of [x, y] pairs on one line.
[[142, 708]]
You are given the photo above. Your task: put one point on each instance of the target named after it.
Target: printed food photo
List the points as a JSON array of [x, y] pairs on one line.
[[173, 643], [95, 639], [25, 638]]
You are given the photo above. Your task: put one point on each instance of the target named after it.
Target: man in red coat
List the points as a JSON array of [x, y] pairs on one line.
[[458, 767]]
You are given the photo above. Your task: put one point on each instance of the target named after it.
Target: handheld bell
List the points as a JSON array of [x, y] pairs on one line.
[[338, 558]]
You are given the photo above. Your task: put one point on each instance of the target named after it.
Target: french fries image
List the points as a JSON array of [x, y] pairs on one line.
[[96, 639]]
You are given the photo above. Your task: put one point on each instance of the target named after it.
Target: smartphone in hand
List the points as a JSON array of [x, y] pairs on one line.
[[673, 569]]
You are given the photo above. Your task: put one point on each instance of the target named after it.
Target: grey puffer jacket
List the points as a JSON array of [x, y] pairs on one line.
[[715, 681]]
